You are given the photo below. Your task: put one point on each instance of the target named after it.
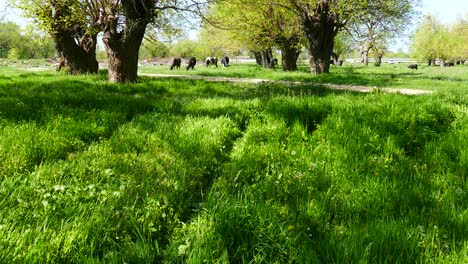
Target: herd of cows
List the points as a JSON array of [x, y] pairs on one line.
[[444, 64], [176, 62]]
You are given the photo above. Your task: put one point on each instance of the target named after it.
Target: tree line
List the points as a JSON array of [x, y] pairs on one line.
[[325, 28], [18, 44], [434, 40]]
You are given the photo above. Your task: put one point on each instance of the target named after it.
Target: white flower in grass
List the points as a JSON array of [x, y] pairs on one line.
[[59, 187]]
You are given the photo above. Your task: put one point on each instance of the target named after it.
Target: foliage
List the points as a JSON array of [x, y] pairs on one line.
[[153, 49], [186, 49], [434, 40], [257, 24], [460, 38], [16, 43], [381, 22], [213, 41], [344, 44]]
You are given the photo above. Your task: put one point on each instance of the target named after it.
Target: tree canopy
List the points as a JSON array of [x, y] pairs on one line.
[[435, 40], [16, 43]]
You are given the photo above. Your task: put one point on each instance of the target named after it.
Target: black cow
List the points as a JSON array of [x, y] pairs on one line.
[[211, 60], [274, 62], [413, 66], [191, 63], [225, 61], [449, 64], [176, 63]]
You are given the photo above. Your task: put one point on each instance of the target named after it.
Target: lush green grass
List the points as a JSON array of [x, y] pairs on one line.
[[187, 171], [389, 75]]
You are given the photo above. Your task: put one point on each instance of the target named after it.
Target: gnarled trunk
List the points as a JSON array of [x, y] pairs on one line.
[[122, 51], [78, 59], [320, 52], [289, 58], [320, 31], [264, 58], [74, 44], [258, 57]]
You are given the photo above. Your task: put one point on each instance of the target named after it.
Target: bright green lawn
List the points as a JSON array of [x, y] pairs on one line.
[[187, 171]]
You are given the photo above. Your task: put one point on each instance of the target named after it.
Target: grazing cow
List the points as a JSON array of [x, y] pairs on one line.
[[274, 62], [191, 63], [413, 66], [225, 61], [449, 64], [211, 60], [61, 64], [176, 63]]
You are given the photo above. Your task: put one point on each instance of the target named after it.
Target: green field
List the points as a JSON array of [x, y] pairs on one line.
[[387, 76], [188, 171]]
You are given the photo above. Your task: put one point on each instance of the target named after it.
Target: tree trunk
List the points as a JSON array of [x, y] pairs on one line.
[[77, 58], [365, 54], [429, 62], [319, 54], [264, 58], [258, 57], [267, 58], [320, 31], [122, 50], [77, 49], [289, 61], [378, 60]]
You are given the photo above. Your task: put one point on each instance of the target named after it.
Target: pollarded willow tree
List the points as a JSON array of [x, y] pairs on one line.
[[261, 25], [124, 22], [74, 32], [321, 20]]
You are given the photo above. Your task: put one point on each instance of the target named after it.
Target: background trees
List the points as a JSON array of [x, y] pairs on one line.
[[26, 44], [260, 25], [230, 26], [380, 22], [434, 40], [460, 33]]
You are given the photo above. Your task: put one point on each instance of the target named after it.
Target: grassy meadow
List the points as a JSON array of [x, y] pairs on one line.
[[388, 76], [189, 171]]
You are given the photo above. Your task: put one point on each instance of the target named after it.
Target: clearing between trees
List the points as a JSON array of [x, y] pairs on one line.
[[354, 88]]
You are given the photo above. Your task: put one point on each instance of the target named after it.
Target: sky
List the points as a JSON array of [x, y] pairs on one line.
[[447, 10]]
